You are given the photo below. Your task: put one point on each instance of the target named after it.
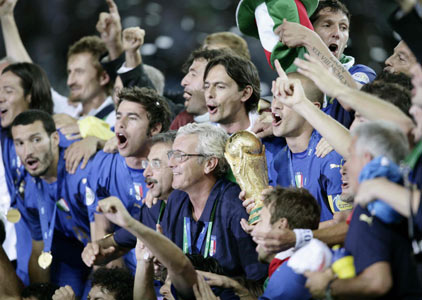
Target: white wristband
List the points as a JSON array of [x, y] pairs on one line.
[[303, 236]]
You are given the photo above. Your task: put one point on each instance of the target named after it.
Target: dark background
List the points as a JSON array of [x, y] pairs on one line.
[[174, 29]]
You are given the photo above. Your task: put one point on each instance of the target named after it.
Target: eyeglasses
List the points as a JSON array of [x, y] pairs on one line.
[[180, 156], [155, 164]]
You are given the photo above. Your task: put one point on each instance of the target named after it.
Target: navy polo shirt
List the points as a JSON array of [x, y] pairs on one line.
[[230, 245], [370, 241], [148, 217], [320, 176]]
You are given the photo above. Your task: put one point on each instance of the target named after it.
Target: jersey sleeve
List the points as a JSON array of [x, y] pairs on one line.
[[362, 74], [331, 178]]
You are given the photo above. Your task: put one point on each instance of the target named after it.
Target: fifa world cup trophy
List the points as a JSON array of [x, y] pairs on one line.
[[246, 156]]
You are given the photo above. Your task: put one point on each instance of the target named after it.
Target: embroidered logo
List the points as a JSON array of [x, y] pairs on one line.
[[213, 245]]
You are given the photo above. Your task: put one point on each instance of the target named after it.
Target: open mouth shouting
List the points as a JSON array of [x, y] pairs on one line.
[[212, 109], [150, 183], [333, 48], [276, 119], [121, 140], [32, 163]]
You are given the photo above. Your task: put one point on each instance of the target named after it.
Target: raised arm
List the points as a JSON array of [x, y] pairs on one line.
[[368, 106], [133, 39], [294, 35], [180, 269], [12, 40], [291, 94], [110, 29]]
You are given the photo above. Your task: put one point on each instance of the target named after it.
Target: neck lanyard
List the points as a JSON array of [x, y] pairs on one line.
[[48, 231], [310, 150], [160, 214], [187, 238]]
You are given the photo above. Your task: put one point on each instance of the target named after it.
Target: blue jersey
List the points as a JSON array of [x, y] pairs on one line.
[[370, 241], [68, 194], [71, 228], [112, 177], [320, 176], [230, 245], [14, 173], [286, 284], [361, 74], [273, 145]]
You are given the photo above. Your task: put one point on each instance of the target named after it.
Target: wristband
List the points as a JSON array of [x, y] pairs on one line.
[[303, 237]]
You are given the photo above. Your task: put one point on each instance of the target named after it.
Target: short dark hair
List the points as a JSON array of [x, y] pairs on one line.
[[164, 137], [297, 205], [206, 54], [390, 92], [40, 291], [32, 115], [334, 5], [118, 281], [157, 109], [398, 78], [208, 264], [243, 72], [34, 82]]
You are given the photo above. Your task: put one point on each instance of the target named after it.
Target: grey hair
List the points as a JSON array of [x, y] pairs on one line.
[[211, 142], [156, 77], [164, 137], [381, 138]]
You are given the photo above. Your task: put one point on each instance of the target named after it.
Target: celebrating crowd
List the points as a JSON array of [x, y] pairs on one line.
[[121, 191]]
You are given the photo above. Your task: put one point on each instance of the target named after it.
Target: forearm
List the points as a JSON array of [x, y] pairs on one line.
[[360, 286], [367, 104], [332, 235], [144, 281], [181, 271], [319, 50], [13, 43], [36, 273], [133, 59], [115, 48], [397, 196], [335, 133], [11, 286]]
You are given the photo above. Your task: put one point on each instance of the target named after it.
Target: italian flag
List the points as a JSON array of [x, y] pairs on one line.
[[259, 19]]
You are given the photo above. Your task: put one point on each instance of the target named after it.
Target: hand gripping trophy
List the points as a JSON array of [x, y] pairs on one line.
[[246, 156]]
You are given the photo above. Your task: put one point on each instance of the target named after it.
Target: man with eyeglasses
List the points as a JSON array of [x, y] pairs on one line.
[[141, 114], [203, 213], [158, 178]]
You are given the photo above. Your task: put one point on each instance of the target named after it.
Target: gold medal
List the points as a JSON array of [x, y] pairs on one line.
[[13, 215], [45, 259]]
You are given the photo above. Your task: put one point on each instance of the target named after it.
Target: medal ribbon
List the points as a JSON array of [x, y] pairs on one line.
[[48, 231], [187, 242], [160, 214]]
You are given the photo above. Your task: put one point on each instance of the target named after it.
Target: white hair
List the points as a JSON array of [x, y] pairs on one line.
[[156, 77], [211, 142], [381, 138]]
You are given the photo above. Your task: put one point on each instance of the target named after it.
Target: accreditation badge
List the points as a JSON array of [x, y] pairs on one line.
[[213, 245], [45, 259]]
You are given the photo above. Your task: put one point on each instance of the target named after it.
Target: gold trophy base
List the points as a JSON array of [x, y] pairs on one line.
[[254, 215]]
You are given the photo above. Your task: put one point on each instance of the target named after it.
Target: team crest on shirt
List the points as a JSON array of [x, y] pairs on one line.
[[89, 196], [138, 191], [299, 180], [213, 245]]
